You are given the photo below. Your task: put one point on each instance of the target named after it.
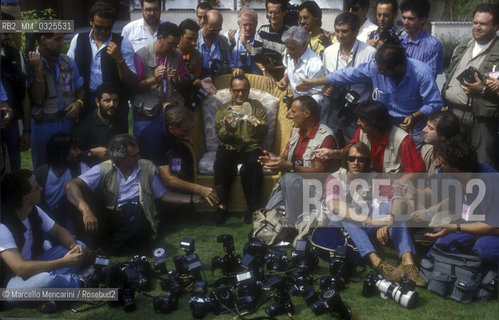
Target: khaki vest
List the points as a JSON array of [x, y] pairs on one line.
[[150, 102], [322, 133], [109, 186], [391, 158], [65, 84]]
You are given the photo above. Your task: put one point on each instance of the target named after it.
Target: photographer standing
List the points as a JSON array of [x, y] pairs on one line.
[[471, 100], [348, 52]]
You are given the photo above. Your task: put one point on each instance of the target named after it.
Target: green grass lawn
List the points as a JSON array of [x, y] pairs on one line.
[[178, 224]]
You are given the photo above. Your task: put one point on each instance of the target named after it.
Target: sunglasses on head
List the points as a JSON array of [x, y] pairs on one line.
[[360, 159]]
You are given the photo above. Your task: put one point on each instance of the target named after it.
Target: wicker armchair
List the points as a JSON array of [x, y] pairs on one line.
[[282, 131]]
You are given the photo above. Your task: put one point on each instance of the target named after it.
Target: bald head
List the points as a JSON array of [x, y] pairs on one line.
[[213, 26]]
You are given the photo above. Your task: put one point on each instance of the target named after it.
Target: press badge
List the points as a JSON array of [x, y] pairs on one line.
[[466, 212], [176, 164]]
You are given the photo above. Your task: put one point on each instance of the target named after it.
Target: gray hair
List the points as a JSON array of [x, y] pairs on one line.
[[117, 148], [247, 12], [297, 34]]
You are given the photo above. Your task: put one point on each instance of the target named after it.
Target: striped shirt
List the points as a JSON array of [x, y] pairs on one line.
[[267, 38], [425, 48]]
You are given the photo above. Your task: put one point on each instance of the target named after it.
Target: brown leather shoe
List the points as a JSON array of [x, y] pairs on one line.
[[389, 272], [413, 273]]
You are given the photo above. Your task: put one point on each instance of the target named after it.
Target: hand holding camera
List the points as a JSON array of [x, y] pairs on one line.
[[471, 82]]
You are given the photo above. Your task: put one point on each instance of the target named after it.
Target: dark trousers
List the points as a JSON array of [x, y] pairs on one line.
[[251, 174]]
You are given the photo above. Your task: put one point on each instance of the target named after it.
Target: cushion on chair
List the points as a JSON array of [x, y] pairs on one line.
[[210, 106]]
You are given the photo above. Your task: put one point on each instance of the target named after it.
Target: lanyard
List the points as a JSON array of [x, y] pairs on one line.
[[164, 63]]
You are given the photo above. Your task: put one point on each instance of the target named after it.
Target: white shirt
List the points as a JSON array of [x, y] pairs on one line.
[[95, 67], [54, 186], [309, 66], [128, 189], [7, 239], [137, 33], [365, 30], [334, 60]]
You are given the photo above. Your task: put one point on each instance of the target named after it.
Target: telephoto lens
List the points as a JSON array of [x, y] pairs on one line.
[[402, 293]]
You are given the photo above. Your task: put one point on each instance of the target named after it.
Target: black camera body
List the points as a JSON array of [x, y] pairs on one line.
[[247, 291], [468, 75], [344, 99], [303, 257], [269, 57], [330, 302], [230, 263], [165, 304], [174, 284], [282, 300], [276, 260], [198, 98]]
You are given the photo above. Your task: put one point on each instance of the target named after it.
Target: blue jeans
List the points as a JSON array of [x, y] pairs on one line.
[[41, 134], [60, 278], [363, 237], [486, 246]]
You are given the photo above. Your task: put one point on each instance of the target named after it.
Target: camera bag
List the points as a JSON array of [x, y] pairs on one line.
[[457, 274], [270, 226]]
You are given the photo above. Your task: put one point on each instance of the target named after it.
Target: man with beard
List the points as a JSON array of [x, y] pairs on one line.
[[104, 57], [57, 90], [96, 130], [142, 32]]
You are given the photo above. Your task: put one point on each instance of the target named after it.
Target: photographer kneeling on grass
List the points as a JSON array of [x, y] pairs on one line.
[[26, 264], [364, 227], [128, 185]]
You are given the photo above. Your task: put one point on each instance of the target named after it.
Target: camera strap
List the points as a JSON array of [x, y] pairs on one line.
[[356, 45]]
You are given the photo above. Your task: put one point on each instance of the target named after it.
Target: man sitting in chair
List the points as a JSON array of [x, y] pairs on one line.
[[241, 126]]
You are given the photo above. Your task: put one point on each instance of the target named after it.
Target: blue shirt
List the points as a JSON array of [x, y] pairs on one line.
[[416, 91], [238, 51], [156, 143], [425, 48], [77, 80], [208, 55], [128, 189], [3, 94]]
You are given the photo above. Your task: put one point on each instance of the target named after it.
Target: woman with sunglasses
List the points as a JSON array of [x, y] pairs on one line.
[[350, 198]]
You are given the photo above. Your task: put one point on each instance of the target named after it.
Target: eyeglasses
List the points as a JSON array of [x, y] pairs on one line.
[[238, 91], [360, 159], [214, 29], [102, 28]]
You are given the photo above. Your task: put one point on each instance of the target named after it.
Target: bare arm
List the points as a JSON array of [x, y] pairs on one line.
[[170, 180], [63, 235], [126, 75], [38, 86], [75, 197], [26, 268]]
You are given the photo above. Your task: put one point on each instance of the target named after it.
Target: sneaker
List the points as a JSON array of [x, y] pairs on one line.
[[389, 272], [220, 216], [413, 273]]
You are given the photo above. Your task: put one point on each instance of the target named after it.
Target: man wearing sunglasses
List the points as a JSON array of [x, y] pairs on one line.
[[103, 56], [142, 32], [241, 125]]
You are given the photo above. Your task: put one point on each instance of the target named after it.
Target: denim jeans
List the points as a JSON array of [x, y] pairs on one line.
[[60, 278], [363, 237]]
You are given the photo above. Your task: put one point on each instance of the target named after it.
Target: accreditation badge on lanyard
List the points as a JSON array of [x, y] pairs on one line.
[[466, 214], [164, 62]]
